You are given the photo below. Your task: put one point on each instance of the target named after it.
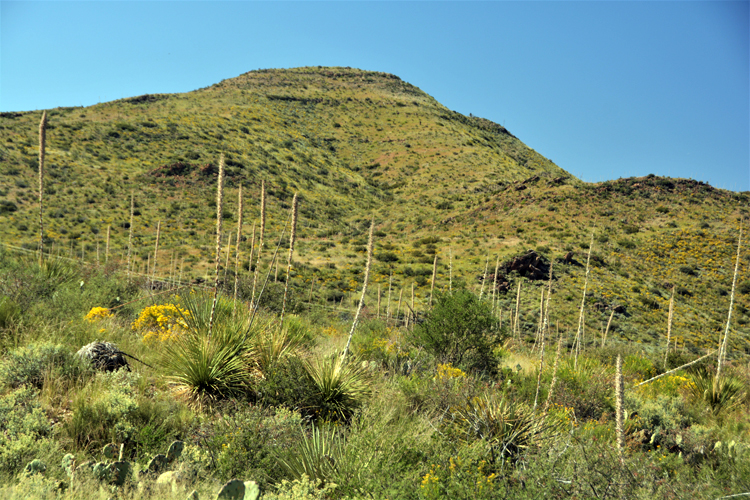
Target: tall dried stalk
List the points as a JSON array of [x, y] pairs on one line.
[[554, 375], [229, 249], [606, 330], [577, 341], [517, 314], [723, 344], [237, 251], [292, 239], [484, 277], [494, 282], [669, 328], [219, 214], [537, 338], [450, 270], [398, 309], [434, 273], [378, 315], [312, 285], [106, 251], [42, 140], [539, 376], [156, 250], [261, 237], [130, 232], [619, 417], [368, 265], [388, 302]]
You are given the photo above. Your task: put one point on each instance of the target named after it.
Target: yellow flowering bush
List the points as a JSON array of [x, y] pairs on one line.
[[160, 322], [447, 372], [97, 313], [458, 479]]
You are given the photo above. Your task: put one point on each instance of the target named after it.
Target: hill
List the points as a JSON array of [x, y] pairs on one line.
[[358, 145]]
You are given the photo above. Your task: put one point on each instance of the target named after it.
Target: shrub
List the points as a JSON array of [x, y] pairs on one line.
[[460, 330], [31, 364]]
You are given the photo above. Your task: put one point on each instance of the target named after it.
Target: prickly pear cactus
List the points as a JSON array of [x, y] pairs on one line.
[[156, 464], [252, 491], [110, 451], [36, 466], [69, 464], [118, 473], [233, 490], [101, 470], [175, 450]]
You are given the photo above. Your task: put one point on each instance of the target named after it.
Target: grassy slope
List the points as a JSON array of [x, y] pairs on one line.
[[359, 144]]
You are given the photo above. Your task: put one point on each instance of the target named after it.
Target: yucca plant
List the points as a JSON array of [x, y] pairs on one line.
[[340, 387], [318, 455], [719, 393], [207, 367], [507, 426]]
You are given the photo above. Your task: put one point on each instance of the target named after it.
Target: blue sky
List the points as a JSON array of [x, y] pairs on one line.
[[604, 89]]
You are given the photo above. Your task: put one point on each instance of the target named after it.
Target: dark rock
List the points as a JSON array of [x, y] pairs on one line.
[[105, 356]]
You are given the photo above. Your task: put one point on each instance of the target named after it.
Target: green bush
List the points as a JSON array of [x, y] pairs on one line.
[[460, 330], [31, 364]]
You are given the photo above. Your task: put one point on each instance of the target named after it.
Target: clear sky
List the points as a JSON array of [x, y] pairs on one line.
[[604, 89]]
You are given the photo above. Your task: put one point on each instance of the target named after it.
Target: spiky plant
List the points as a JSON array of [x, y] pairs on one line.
[[340, 387], [317, 455]]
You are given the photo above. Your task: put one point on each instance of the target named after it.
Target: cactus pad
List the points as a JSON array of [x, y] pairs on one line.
[[118, 472], [233, 490], [175, 450], [110, 451], [252, 491], [157, 463], [69, 464], [36, 466]]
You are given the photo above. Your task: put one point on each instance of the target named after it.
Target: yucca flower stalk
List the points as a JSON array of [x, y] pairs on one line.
[[130, 232], [398, 308], [292, 239], [106, 251], [669, 327], [517, 314], [723, 344], [378, 316], [494, 282], [539, 376], [219, 214], [577, 341], [368, 265], [606, 330], [434, 273], [42, 140], [537, 338], [156, 250], [554, 376], [450, 270], [229, 249], [484, 277], [237, 252], [388, 302], [261, 237], [620, 416]]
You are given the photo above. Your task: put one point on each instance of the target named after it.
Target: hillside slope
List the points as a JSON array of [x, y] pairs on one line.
[[358, 145]]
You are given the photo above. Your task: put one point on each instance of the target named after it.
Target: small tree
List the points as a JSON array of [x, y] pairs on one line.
[[460, 330]]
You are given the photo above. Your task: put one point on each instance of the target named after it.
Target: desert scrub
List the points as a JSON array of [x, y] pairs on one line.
[[32, 364], [24, 430], [248, 439], [460, 330], [160, 323]]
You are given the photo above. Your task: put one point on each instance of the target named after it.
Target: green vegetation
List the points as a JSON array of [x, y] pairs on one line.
[[436, 399]]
